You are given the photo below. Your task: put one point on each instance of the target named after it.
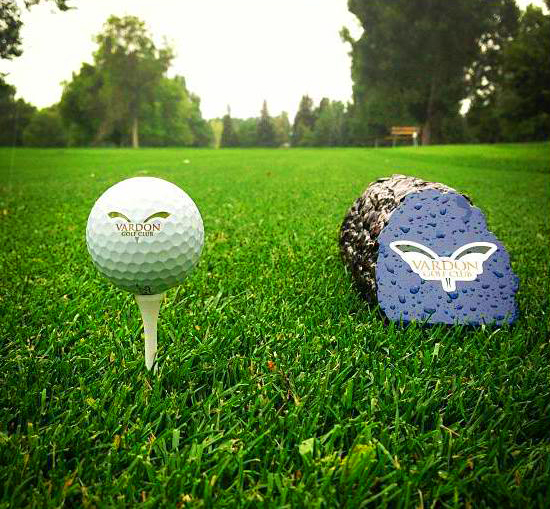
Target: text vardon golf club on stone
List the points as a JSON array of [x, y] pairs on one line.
[[447, 268]]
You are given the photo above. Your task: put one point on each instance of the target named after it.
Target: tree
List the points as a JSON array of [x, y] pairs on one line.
[[513, 103], [171, 117], [328, 130], [353, 131], [203, 136], [132, 68], [416, 52], [45, 129], [247, 131], [10, 26], [216, 125], [84, 109], [266, 131], [229, 136], [486, 70], [15, 115], [303, 123], [165, 120], [525, 93], [281, 125]]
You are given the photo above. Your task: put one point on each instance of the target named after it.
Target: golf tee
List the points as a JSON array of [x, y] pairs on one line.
[[149, 306]]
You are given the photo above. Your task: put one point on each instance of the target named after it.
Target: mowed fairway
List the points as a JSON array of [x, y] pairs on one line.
[[278, 386]]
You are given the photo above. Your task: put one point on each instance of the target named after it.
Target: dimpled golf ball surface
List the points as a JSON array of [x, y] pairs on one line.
[[145, 235]]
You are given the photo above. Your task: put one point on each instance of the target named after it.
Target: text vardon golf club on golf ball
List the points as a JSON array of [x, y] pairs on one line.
[[138, 230]]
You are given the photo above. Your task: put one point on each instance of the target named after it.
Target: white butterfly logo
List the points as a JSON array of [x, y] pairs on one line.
[[465, 264]]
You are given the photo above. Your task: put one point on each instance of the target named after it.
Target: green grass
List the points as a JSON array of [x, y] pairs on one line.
[[278, 386]]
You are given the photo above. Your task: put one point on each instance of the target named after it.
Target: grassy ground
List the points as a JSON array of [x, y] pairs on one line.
[[278, 386]]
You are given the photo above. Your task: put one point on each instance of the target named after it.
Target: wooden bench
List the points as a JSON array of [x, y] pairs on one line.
[[405, 132]]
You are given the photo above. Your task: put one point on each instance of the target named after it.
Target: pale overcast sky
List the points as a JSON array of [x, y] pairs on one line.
[[236, 52]]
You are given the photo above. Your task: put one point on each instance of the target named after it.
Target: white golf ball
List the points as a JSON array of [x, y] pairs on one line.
[[145, 235]]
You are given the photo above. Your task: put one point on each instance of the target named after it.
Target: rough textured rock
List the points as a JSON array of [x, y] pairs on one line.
[[365, 220]]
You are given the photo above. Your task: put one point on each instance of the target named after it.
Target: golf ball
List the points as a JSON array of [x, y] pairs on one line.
[[145, 235]]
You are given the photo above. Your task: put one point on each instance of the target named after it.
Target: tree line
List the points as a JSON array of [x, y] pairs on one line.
[[124, 98], [264, 131], [417, 60], [325, 125], [415, 63]]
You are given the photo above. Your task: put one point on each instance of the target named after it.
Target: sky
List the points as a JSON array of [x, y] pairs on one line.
[[231, 52]]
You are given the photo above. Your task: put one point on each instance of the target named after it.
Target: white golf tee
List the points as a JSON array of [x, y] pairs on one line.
[[149, 306]]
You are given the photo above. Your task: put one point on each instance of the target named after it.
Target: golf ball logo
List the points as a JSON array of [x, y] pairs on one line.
[[146, 228], [465, 264]]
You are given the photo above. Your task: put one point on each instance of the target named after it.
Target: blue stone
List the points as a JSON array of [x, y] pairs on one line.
[[488, 298]]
